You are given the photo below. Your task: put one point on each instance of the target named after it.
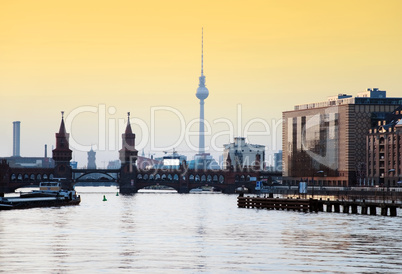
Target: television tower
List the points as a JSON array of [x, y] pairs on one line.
[[202, 94]]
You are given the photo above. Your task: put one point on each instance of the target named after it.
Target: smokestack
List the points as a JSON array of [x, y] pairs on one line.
[[45, 151], [16, 139]]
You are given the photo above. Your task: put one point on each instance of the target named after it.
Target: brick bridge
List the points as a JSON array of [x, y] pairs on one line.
[[129, 178]]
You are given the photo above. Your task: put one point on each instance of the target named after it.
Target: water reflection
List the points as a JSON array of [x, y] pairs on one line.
[[154, 232]]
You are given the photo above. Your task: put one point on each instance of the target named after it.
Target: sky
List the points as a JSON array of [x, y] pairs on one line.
[[98, 60]]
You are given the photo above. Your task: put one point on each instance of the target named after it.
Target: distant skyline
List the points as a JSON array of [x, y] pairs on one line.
[[97, 60]]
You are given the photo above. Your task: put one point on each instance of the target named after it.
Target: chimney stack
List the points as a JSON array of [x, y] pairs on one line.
[[16, 139]]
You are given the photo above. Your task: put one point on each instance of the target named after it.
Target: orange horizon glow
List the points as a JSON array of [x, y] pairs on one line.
[[265, 56]]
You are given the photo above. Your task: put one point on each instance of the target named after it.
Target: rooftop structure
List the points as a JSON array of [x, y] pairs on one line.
[[242, 154], [369, 97]]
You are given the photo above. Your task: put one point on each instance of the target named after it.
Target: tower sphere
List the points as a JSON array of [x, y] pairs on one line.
[[202, 91]]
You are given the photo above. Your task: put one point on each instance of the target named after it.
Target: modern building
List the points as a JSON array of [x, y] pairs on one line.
[[116, 164], [203, 161], [16, 139], [91, 159], [328, 139], [170, 160], [74, 164], [384, 152], [278, 161], [244, 155]]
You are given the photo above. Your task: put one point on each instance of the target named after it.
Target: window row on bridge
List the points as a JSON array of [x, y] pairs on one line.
[[207, 178], [175, 177], [31, 177], [158, 177]]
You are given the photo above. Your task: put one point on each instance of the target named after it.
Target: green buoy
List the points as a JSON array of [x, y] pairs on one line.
[[117, 193], [104, 198]]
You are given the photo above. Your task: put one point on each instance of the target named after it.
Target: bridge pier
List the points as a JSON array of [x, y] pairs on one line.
[[183, 190], [127, 190]]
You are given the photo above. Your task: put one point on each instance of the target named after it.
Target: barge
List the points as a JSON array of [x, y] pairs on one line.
[[50, 194]]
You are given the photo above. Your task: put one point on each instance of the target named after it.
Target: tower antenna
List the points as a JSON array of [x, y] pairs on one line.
[[202, 51]]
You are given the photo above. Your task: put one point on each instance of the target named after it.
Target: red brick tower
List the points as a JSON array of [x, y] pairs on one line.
[[128, 157], [62, 153]]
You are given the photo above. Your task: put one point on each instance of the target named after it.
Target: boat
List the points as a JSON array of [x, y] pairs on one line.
[[207, 190], [242, 190], [49, 194]]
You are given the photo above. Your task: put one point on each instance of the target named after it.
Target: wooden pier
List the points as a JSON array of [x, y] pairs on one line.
[[315, 205]]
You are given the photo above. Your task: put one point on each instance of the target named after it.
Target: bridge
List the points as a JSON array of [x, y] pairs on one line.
[[90, 175], [129, 178]]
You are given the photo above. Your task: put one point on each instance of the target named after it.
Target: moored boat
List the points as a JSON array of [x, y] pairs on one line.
[[49, 194]]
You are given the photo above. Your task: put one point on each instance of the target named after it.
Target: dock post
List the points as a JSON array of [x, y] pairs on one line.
[[373, 210], [384, 210], [364, 209], [336, 207], [345, 207], [320, 205], [354, 208], [392, 211], [329, 205]]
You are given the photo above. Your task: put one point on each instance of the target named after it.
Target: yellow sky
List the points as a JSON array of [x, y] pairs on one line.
[[265, 55]]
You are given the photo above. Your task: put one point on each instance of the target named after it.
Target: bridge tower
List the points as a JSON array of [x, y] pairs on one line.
[[62, 156], [128, 157]]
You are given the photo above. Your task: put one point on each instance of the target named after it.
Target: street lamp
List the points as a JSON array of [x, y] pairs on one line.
[[318, 172]]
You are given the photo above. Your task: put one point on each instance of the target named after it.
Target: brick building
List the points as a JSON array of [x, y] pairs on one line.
[[384, 152]]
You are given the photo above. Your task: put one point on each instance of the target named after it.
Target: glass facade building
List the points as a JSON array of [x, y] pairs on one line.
[[330, 137]]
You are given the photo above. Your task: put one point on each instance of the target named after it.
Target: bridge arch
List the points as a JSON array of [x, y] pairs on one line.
[[91, 173]]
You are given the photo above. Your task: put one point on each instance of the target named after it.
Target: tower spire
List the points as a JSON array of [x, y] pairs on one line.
[[202, 51]]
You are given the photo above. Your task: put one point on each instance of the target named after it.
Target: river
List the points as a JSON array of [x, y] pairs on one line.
[[191, 233]]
